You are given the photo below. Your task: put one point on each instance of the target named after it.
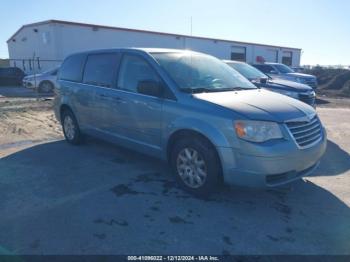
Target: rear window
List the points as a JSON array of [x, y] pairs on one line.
[[71, 69], [101, 69]]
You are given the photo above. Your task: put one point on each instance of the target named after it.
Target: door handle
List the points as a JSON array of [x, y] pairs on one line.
[[114, 98]]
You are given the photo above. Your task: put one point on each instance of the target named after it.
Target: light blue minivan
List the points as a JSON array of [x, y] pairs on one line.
[[192, 110]]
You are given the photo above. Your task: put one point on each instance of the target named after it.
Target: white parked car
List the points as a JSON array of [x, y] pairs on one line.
[[44, 82]]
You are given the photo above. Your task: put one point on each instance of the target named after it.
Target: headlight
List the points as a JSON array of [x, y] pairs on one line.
[[287, 93], [257, 131]]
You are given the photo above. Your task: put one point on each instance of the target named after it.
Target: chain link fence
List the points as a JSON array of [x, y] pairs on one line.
[[34, 65]]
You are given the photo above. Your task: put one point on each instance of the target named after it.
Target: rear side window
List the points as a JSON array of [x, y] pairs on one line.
[[264, 68], [100, 69], [71, 69], [12, 71], [133, 70]]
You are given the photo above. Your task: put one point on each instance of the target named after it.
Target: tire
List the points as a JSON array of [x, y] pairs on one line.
[[196, 157], [71, 128], [45, 87]]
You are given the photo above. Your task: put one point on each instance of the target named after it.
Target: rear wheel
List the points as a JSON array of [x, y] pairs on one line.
[[195, 165], [45, 87], [70, 128]]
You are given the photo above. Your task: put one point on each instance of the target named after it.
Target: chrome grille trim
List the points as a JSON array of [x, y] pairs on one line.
[[314, 126], [304, 132], [317, 131], [301, 125]]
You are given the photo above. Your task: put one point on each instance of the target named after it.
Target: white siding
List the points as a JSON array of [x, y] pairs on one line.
[[29, 43], [54, 41]]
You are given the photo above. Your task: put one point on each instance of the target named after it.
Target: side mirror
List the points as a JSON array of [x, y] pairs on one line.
[[263, 80], [150, 87]]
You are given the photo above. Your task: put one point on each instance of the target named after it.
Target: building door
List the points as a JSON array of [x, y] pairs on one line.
[[238, 53], [272, 56], [287, 58]]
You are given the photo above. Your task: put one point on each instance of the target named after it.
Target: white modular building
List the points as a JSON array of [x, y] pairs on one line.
[[41, 46]]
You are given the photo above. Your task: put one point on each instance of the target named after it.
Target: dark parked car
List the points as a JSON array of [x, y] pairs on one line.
[[11, 76], [281, 71], [292, 89]]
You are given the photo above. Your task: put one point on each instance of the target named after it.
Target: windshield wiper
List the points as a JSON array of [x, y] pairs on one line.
[[241, 88], [195, 90], [211, 90]]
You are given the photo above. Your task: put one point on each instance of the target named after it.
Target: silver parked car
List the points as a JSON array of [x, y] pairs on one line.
[[281, 71], [192, 110], [44, 82]]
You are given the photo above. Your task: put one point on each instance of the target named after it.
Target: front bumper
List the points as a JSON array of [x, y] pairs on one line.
[[285, 164], [28, 84], [308, 98]]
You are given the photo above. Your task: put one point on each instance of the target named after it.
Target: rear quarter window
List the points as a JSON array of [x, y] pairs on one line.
[[72, 68]]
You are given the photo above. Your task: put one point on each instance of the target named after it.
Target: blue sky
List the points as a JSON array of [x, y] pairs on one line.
[[321, 28]]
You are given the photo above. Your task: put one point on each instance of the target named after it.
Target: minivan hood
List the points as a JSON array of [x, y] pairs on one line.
[[259, 104]]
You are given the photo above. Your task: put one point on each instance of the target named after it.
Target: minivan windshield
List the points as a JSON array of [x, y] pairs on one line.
[[247, 71], [202, 73], [283, 69]]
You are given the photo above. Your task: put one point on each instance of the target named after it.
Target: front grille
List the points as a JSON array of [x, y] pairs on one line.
[[306, 133], [308, 99], [311, 82]]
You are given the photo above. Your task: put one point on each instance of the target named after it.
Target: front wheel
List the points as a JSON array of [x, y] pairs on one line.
[[45, 87], [70, 128], [195, 165]]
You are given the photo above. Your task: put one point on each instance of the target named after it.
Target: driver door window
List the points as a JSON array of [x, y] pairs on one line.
[[134, 70]]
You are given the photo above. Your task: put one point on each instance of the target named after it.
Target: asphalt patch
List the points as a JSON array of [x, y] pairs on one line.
[[121, 190], [179, 220], [111, 222], [227, 240]]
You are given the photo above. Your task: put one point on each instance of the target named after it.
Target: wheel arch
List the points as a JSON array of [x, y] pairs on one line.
[[45, 81], [185, 133], [63, 108]]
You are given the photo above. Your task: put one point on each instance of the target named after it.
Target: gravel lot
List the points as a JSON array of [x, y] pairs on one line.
[[102, 199]]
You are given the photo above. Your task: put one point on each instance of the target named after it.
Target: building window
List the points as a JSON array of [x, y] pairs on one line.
[[274, 55], [238, 53], [287, 58]]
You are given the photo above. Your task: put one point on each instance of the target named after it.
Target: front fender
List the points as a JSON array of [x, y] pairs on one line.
[[211, 132]]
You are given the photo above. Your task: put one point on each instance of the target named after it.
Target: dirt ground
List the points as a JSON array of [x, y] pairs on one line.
[[102, 199]]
